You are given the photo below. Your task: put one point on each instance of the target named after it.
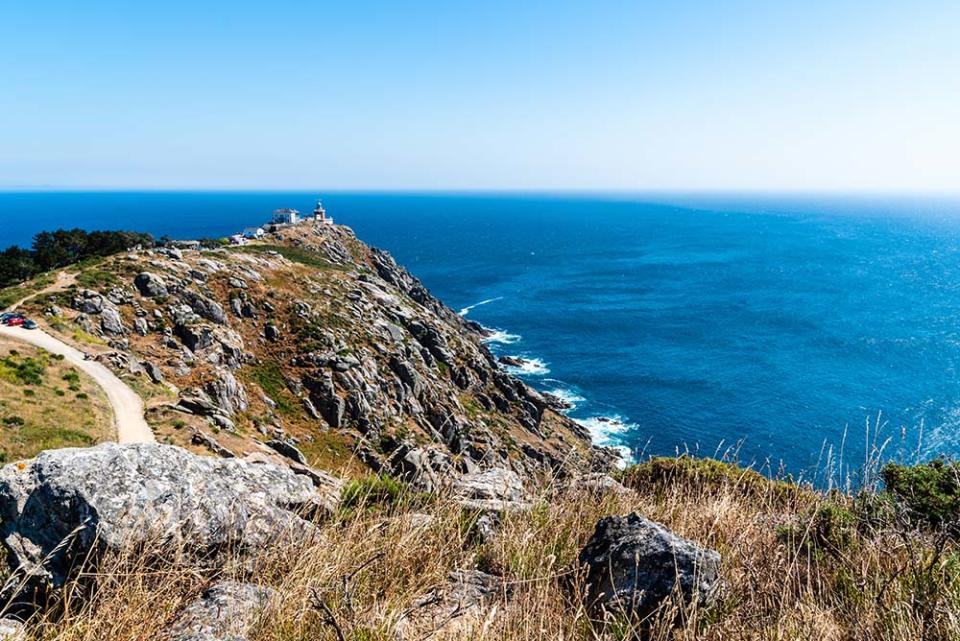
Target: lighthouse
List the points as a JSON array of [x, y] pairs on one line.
[[320, 215]]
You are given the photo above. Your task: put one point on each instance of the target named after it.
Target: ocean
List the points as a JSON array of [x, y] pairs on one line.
[[797, 333]]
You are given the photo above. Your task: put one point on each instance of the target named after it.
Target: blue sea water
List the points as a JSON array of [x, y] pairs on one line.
[[775, 325]]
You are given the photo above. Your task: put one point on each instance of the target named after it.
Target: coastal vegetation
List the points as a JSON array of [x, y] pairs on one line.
[[826, 567], [62, 247]]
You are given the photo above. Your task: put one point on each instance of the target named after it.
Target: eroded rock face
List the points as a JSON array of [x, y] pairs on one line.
[[106, 496], [634, 564], [225, 612]]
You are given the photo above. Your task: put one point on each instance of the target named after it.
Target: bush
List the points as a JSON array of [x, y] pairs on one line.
[[930, 492], [13, 421]]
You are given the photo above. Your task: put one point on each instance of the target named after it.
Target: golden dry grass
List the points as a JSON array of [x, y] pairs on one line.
[[783, 575]]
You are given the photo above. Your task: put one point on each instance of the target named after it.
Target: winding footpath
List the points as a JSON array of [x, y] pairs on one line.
[[127, 405]]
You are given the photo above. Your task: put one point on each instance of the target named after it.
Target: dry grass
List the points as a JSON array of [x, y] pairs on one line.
[[786, 575], [40, 396]]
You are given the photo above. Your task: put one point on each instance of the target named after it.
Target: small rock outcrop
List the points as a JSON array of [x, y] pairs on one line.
[[450, 610], [493, 489], [225, 612], [635, 565], [64, 504], [150, 284]]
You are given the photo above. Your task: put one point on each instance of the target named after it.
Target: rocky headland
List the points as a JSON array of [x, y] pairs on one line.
[[335, 454]]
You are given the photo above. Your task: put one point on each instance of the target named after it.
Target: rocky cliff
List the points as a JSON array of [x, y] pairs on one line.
[[318, 347]]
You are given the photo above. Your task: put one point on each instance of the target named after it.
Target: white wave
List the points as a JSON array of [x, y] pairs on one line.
[[607, 431], [466, 310], [500, 336], [567, 396], [530, 367]]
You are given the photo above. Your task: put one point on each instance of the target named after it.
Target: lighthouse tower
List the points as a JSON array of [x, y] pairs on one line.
[[320, 215]]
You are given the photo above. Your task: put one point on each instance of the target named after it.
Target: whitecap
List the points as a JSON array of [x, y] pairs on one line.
[[568, 397], [466, 310], [606, 431], [529, 367], [500, 336]]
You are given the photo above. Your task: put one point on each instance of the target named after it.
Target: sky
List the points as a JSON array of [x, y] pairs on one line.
[[817, 95]]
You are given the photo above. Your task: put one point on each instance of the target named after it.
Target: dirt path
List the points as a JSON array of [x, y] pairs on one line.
[[127, 405], [63, 281]]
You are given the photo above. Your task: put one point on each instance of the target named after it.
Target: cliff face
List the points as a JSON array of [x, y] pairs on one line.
[[321, 346]]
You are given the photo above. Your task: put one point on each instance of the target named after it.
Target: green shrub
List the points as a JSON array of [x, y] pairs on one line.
[[373, 490], [930, 492], [82, 396], [13, 421], [25, 371]]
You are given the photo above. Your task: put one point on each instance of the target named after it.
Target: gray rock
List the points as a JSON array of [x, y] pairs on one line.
[[271, 332], [494, 489], [150, 284], [196, 401], [239, 283], [195, 337], [287, 449], [634, 564], [141, 326], [12, 630], [227, 393], [205, 440], [454, 609], [205, 307], [88, 302], [113, 495], [225, 612], [154, 372], [111, 322]]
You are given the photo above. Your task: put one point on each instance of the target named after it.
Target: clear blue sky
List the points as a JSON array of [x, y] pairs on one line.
[[480, 95]]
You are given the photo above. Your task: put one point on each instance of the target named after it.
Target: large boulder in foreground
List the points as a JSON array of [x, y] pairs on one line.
[[635, 565], [63, 504]]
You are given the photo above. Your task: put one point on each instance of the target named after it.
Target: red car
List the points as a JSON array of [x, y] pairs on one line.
[[13, 322]]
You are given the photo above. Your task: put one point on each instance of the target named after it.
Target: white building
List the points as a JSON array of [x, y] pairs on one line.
[[253, 232], [238, 239], [285, 217]]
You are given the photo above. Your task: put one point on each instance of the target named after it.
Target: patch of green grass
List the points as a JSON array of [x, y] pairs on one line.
[[373, 490], [271, 380], [97, 278], [293, 254], [73, 380], [23, 371]]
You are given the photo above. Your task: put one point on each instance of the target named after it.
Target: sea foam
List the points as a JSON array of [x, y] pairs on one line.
[[500, 336], [607, 430], [530, 367]]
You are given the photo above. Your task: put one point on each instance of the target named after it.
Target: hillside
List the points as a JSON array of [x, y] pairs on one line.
[[311, 339]]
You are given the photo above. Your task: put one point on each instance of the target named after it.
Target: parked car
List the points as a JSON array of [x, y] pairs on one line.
[[15, 321], [30, 324], [4, 316]]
